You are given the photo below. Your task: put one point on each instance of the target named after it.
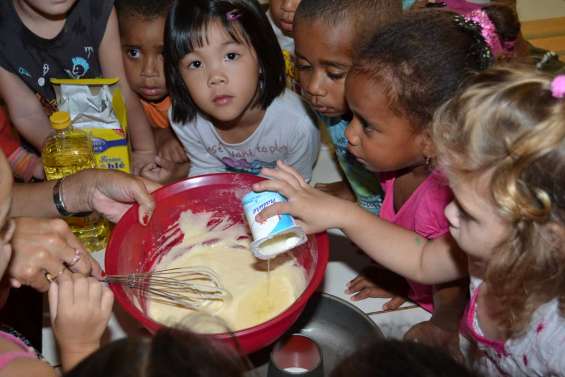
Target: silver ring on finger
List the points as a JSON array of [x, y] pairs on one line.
[[75, 260]]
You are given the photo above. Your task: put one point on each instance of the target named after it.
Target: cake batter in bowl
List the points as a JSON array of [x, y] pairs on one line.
[[136, 248]]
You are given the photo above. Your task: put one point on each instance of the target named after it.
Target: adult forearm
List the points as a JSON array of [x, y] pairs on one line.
[[33, 200], [36, 199]]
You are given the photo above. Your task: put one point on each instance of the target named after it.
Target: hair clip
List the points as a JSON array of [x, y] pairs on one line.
[[488, 30], [233, 15], [546, 58], [558, 86], [481, 47]]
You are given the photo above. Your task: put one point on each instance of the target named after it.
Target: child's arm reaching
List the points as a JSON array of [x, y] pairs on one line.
[[168, 146], [164, 171], [402, 251], [26, 112], [80, 308], [112, 66]]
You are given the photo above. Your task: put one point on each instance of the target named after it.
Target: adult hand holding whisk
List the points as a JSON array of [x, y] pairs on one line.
[[47, 247]]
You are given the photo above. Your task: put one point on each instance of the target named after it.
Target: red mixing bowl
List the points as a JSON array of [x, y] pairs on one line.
[[136, 248]]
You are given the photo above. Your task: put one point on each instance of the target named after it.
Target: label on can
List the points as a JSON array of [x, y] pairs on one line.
[[276, 234]]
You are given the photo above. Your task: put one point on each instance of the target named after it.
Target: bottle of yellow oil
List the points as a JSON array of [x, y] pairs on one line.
[[67, 151]]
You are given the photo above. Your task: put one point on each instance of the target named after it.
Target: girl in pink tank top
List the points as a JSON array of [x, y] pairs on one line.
[[403, 75]]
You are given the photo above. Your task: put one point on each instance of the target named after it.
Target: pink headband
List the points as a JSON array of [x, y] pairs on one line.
[[488, 31], [558, 86]]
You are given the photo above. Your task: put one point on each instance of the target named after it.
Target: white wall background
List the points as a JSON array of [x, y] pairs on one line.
[[531, 9], [538, 9]]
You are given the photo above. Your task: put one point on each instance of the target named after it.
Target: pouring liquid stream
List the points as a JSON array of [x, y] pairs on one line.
[[269, 299]]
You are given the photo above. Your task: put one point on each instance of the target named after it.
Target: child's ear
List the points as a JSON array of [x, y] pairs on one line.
[[427, 145]]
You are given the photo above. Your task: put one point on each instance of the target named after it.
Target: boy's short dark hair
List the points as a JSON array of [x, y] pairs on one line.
[[366, 15], [143, 8], [186, 29]]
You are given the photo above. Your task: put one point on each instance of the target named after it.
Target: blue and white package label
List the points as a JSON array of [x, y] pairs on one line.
[[276, 234]]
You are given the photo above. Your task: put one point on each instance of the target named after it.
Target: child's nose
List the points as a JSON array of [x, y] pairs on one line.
[[150, 67], [290, 5], [351, 133], [451, 214], [314, 86], [216, 78]]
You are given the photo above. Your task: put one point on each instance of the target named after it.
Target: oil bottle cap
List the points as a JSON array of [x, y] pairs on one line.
[[60, 120]]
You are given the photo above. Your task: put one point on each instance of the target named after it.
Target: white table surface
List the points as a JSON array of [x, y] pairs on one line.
[[345, 263]]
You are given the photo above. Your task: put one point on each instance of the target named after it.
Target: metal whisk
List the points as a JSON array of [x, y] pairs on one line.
[[191, 287]]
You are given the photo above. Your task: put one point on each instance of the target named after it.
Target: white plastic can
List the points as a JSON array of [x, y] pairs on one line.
[[275, 235]]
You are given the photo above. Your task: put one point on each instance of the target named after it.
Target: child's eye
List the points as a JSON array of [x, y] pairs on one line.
[[133, 53], [336, 76], [463, 215], [302, 67], [367, 128], [195, 64], [232, 56]]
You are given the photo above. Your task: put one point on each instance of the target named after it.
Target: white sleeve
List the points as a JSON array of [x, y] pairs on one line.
[[306, 147], [201, 162], [548, 340]]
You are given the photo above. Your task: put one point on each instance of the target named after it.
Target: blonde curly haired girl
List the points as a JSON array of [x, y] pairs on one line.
[[504, 139], [501, 143]]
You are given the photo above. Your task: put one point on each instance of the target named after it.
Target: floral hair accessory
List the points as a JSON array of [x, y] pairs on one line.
[[558, 86], [488, 31], [233, 15], [480, 48]]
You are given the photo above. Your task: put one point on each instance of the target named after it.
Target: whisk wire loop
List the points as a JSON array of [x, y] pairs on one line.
[[191, 287]]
